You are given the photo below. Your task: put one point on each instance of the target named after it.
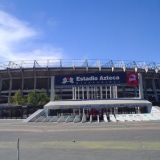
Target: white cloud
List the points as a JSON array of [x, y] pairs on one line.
[[14, 34], [42, 53]]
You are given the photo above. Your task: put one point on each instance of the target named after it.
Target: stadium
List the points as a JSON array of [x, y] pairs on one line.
[[86, 90]]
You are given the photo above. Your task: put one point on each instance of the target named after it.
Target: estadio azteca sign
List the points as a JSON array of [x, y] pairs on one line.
[[97, 78]]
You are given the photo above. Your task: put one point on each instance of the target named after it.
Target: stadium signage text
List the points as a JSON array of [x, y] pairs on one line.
[[101, 78], [91, 78]]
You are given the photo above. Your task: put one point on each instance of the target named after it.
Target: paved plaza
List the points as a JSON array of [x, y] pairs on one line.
[[66, 141]]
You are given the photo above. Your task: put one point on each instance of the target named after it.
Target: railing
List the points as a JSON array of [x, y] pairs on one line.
[[86, 63]]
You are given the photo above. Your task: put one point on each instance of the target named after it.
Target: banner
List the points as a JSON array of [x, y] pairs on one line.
[[110, 78], [132, 79]]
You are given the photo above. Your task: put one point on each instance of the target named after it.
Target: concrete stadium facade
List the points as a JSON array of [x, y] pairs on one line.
[[36, 75]]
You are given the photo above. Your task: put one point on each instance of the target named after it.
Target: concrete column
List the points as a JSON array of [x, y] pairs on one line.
[[78, 93], [52, 97], [113, 91], [90, 118], [110, 90], [96, 92], [92, 92], [106, 91], [98, 118], [141, 95], [83, 111], [83, 117], [73, 93]]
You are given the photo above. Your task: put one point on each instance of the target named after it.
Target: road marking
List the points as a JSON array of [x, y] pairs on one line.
[[113, 145]]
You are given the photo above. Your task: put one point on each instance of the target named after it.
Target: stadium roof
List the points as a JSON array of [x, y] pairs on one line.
[[76, 63], [97, 103]]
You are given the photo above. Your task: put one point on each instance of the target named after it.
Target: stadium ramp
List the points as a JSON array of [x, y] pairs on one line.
[[35, 115], [77, 119], [112, 118]]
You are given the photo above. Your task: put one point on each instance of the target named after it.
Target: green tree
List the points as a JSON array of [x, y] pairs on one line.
[[32, 98], [36, 99], [43, 98], [18, 98]]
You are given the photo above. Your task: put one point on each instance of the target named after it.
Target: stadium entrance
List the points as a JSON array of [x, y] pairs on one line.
[[95, 97], [94, 92], [95, 110], [94, 86]]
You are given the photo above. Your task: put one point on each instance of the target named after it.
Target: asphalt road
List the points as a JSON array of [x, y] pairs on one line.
[[67, 141]]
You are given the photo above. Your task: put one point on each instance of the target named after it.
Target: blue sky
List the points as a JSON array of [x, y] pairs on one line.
[[80, 29]]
